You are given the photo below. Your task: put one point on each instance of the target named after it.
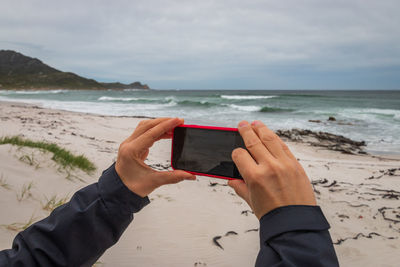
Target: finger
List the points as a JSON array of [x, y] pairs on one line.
[[144, 126], [147, 139], [173, 177], [287, 150], [253, 142], [165, 136], [241, 189], [269, 139], [244, 162]]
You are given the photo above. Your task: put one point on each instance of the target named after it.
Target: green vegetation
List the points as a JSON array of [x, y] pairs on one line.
[[30, 159], [21, 72], [54, 202], [18, 227], [60, 155], [25, 191], [3, 183], [118, 85]]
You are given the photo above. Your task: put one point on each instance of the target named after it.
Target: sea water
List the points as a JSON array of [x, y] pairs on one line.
[[372, 116]]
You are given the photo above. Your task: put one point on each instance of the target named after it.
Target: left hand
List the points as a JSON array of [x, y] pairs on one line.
[[130, 166]]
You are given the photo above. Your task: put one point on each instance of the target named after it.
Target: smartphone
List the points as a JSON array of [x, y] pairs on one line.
[[206, 150]]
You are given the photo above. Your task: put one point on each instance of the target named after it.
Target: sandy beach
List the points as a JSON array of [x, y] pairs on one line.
[[359, 195]]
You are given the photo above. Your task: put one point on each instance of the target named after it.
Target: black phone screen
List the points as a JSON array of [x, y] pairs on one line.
[[206, 151]]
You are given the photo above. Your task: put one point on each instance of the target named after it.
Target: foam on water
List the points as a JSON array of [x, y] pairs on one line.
[[372, 115], [375, 119], [109, 98], [244, 108], [247, 97], [375, 111], [33, 92]]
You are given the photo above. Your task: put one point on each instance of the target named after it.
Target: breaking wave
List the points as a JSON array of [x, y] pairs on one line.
[[243, 108], [33, 92], [109, 98], [247, 97]]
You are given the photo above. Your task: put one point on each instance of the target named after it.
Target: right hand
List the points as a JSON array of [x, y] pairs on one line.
[[272, 176]]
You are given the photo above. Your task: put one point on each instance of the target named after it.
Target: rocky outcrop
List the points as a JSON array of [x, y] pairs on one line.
[[324, 139], [117, 85], [18, 71]]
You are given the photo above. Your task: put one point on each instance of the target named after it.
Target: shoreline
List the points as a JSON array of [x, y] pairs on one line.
[[36, 106], [64, 89], [358, 193], [378, 154]]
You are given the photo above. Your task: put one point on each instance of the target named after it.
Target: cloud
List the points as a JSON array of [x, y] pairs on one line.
[[212, 44]]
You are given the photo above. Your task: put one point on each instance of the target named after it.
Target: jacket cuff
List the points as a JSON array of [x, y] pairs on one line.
[[115, 194], [292, 218]]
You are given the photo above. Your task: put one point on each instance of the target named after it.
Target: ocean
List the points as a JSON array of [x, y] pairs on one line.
[[372, 116]]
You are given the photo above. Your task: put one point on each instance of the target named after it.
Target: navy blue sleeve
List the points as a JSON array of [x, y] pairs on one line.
[[295, 236], [78, 232]]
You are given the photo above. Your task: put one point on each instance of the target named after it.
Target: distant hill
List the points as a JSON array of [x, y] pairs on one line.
[[21, 72]]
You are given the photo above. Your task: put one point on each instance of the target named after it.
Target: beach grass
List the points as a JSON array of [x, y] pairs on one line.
[[4, 183], [25, 191], [17, 227], [60, 155], [30, 159], [51, 203]]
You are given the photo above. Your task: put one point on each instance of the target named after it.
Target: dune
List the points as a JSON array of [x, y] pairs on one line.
[[185, 223]]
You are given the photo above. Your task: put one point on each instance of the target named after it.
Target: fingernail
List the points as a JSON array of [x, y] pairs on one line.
[[243, 124], [256, 123], [191, 178], [176, 120]]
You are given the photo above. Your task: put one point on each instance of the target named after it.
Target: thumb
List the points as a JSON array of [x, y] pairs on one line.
[[241, 189], [173, 177]]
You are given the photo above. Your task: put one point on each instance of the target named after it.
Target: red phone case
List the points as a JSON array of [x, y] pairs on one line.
[[203, 127]]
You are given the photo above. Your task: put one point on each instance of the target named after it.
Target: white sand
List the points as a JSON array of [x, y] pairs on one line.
[[177, 228]]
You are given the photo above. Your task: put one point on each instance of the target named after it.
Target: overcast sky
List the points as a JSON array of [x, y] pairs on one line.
[[213, 44]]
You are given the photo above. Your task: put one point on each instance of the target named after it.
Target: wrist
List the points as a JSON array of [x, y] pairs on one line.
[[292, 218], [117, 196], [129, 183]]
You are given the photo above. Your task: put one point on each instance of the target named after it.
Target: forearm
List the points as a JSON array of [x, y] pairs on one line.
[[78, 233], [295, 236]]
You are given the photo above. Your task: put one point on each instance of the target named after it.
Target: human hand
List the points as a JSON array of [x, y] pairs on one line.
[[130, 166], [272, 175]]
